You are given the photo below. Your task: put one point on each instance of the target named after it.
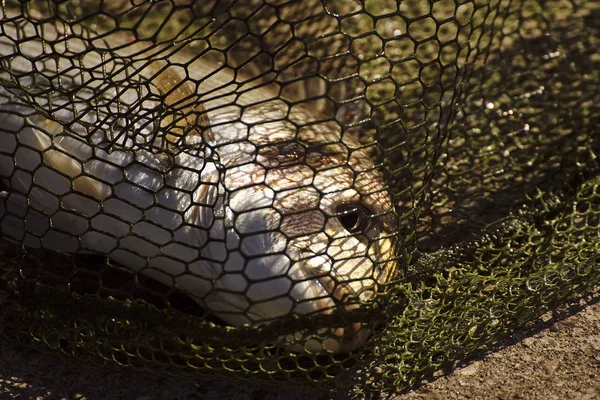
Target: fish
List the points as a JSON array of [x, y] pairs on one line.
[[179, 169]]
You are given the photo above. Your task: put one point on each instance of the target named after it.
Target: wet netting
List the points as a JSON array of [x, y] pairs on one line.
[[342, 194]]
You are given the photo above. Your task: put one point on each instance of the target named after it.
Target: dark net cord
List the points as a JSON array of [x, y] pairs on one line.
[[347, 195]]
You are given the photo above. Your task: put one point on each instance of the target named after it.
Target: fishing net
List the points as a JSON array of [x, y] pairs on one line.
[[340, 194]]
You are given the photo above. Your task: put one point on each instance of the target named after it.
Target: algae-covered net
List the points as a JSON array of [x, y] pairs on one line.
[[341, 194]]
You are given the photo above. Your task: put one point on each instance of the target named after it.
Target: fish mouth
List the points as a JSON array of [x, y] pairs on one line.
[[332, 292], [331, 295], [338, 294]]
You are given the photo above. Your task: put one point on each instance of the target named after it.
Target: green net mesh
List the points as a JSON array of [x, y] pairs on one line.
[[341, 194]]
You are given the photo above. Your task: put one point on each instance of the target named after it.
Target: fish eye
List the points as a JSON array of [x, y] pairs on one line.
[[355, 218]]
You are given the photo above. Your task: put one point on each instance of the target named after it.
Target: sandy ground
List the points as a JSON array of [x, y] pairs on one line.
[[561, 361]]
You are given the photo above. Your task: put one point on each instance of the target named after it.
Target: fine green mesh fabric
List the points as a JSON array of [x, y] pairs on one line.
[[342, 194]]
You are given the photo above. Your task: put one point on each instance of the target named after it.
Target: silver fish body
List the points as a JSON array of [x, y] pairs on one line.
[[191, 176]]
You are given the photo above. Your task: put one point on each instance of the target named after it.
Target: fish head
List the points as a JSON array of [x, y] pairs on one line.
[[316, 226]]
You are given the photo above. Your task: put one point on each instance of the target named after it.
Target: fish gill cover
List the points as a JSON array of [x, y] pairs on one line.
[[342, 194]]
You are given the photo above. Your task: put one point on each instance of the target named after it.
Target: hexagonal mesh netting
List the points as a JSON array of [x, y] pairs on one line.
[[343, 194]]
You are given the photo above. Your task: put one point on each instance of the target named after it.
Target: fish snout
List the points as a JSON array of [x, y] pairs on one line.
[[340, 295], [352, 336]]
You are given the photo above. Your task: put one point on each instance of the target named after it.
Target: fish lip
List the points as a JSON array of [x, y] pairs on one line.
[[336, 291], [347, 338], [354, 334], [333, 291]]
